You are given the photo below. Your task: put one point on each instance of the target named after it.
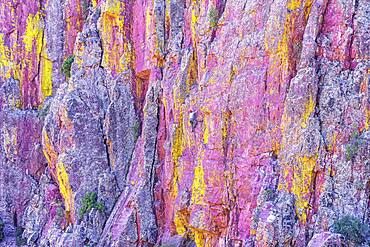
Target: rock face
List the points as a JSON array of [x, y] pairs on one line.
[[185, 123]]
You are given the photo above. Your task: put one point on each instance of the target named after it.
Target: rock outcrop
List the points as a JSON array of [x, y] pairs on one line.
[[184, 123]]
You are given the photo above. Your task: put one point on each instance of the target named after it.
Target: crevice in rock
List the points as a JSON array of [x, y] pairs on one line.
[[352, 37], [105, 143]]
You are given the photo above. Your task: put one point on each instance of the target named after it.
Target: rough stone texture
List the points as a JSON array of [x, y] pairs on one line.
[[195, 123], [326, 239]]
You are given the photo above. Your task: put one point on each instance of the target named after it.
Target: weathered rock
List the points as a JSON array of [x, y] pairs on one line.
[[326, 239], [184, 123]]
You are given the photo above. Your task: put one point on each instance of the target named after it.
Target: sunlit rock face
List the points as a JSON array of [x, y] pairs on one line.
[[184, 123]]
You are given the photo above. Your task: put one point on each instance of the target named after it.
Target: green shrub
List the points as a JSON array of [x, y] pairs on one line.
[[20, 241], [85, 8], [213, 16], [66, 67], [1, 230], [89, 201], [353, 146], [43, 111], [352, 229], [137, 129], [269, 194]]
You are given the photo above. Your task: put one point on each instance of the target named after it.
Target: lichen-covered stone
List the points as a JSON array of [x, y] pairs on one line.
[[193, 123]]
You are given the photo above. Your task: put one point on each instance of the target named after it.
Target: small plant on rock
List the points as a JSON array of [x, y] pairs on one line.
[[353, 146], [66, 67], [269, 194], [213, 16], [89, 201], [43, 111], [20, 241], [352, 229], [85, 8], [1, 230]]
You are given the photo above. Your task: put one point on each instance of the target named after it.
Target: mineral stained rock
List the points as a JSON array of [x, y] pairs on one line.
[[184, 123]]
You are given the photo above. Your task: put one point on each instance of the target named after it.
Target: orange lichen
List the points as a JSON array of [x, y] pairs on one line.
[[332, 145], [60, 174], [181, 221], [111, 153], [192, 74], [49, 152], [183, 228], [307, 8]]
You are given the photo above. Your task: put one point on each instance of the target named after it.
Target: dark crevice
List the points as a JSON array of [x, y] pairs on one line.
[[318, 110], [319, 85], [352, 38], [154, 155], [104, 138]]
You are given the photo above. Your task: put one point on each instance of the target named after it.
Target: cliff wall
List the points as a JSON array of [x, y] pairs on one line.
[[184, 123]]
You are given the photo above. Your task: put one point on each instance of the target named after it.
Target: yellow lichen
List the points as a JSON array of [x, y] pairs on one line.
[[367, 121], [309, 109], [194, 21], [59, 173], [46, 76], [199, 186], [113, 35], [5, 60], [302, 182], [206, 127], [307, 8], [199, 238], [282, 59], [177, 149], [64, 186], [181, 221], [33, 33], [283, 47], [126, 58], [113, 7], [168, 15], [183, 228], [294, 4], [147, 22], [49, 151], [275, 147], [331, 146]]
